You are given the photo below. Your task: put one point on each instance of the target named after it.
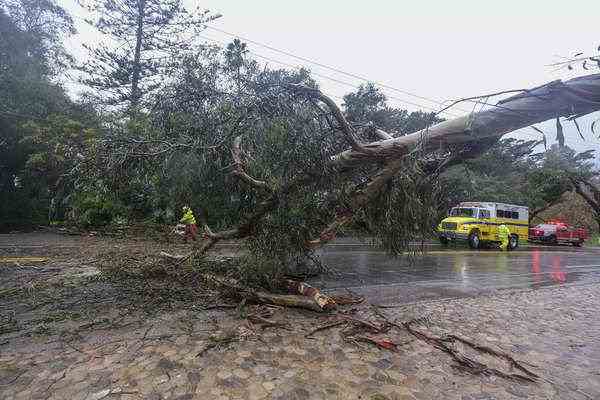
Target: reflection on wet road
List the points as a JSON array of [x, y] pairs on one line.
[[455, 273]]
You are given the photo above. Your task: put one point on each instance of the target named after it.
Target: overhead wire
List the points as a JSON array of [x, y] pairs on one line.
[[322, 65], [356, 76], [339, 81], [337, 70]]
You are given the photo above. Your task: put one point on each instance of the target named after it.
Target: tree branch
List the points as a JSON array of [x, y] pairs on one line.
[[577, 96], [535, 212], [238, 167], [380, 133], [345, 126], [359, 199]]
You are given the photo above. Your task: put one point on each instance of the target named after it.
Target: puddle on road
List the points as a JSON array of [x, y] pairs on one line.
[[467, 272]]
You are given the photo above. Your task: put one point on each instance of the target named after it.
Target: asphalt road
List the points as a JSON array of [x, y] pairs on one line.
[[439, 273], [456, 272]]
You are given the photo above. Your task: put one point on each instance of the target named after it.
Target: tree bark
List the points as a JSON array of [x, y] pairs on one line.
[[307, 299], [137, 68]]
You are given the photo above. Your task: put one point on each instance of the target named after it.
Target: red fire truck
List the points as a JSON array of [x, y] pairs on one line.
[[557, 232]]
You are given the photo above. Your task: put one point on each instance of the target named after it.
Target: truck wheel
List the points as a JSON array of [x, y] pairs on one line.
[[513, 242], [552, 239], [579, 243], [443, 241], [474, 241]]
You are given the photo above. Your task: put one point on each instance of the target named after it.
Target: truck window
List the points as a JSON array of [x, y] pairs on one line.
[[515, 215], [500, 213], [462, 212], [484, 213]]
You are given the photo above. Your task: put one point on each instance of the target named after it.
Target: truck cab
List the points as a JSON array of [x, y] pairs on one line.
[[477, 224]]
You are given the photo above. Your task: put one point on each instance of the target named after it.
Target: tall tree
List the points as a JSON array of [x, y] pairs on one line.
[[551, 177], [32, 37], [31, 57], [145, 40]]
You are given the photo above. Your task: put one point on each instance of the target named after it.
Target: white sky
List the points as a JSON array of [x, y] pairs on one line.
[[436, 49]]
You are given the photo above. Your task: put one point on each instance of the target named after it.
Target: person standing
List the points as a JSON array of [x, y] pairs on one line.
[[503, 235], [188, 219]]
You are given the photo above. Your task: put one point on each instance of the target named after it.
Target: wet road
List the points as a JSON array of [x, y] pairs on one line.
[[455, 272]]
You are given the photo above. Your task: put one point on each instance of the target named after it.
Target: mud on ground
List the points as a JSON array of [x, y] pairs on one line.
[[68, 332]]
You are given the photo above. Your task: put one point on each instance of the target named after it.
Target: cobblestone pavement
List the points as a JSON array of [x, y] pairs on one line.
[[555, 330]]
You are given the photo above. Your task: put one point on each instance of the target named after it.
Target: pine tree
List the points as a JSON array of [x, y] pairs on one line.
[[145, 41]]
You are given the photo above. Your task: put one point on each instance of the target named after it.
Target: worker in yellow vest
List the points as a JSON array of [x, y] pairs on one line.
[[503, 235], [188, 219]]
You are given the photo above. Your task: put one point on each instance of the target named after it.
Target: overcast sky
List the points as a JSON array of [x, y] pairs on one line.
[[435, 49]]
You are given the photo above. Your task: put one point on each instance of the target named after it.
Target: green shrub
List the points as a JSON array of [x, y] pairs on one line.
[[96, 210]]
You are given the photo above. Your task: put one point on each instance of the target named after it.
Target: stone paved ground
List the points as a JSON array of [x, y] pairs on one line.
[[555, 329], [66, 335]]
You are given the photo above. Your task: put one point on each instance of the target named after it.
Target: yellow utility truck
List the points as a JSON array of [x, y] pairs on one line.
[[477, 223]]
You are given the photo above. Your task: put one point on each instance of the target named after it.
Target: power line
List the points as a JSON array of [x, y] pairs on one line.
[[329, 77], [329, 68], [349, 74]]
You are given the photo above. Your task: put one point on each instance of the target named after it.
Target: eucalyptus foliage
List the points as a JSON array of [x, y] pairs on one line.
[[181, 149]]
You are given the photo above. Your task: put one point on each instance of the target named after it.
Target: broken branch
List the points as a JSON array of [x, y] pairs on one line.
[[468, 364], [345, 126]]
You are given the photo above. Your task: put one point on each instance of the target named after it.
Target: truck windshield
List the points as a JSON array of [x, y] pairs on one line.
[[463, 212]]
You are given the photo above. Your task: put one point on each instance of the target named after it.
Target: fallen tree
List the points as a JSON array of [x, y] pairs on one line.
[[291, 171], [573, 98], [453, 141]]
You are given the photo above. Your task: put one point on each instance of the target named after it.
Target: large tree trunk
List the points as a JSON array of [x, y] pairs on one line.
[[578, 96]]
